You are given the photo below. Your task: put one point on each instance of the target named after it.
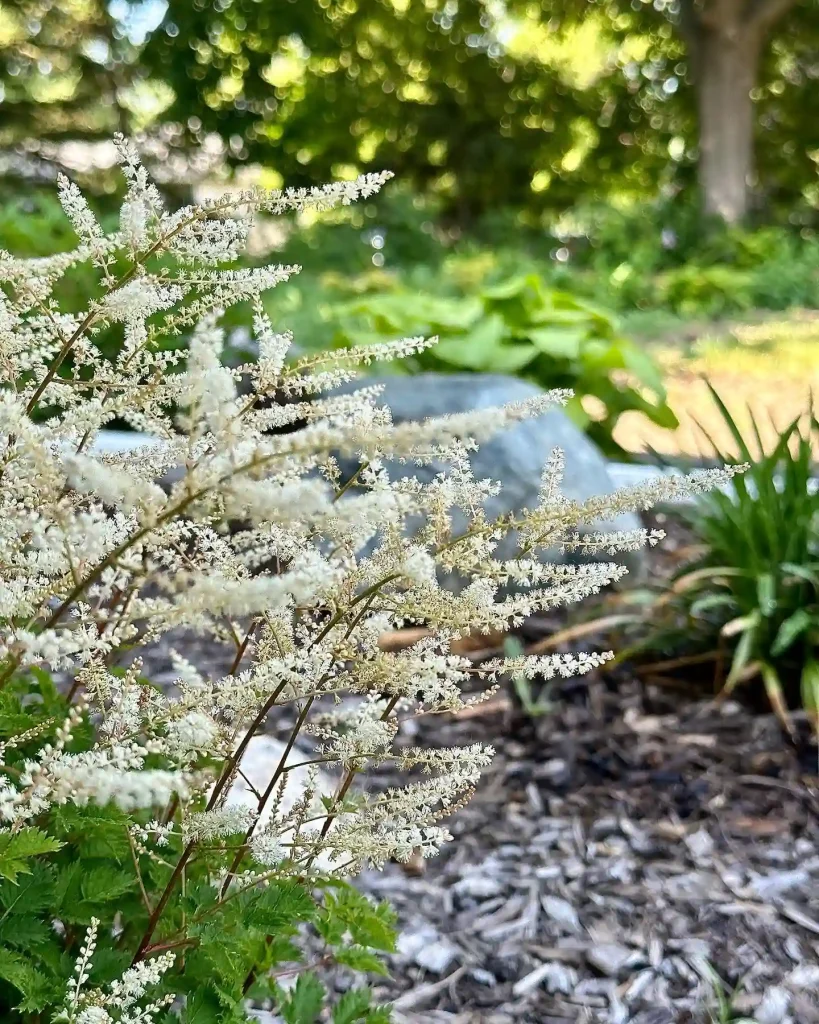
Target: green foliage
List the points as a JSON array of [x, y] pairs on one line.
[[754, 589], [519, 325], [664, 257], [533, 706], [17, 849], [83, 863], [532, 113]]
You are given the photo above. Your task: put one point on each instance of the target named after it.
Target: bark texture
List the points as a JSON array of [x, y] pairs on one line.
[[726, 39]]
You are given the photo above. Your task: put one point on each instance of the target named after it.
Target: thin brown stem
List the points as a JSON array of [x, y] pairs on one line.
[[277, 774], [153, 920]]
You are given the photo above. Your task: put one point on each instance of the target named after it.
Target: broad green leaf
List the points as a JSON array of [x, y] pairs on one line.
[[557, 342], [474, 350]]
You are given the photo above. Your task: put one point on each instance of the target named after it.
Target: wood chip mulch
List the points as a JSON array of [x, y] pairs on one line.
[[627, 858]]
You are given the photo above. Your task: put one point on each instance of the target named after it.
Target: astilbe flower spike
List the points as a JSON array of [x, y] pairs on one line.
[[99, 552]]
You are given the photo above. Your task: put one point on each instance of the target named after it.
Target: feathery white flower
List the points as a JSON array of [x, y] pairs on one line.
[[236, 525]]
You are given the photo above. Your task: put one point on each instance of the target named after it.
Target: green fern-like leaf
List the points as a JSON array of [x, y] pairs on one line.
[[17, 848]]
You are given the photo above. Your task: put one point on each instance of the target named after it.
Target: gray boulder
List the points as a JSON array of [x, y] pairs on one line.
[[516, 456]]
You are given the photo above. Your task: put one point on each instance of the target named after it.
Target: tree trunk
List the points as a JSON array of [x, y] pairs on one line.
[[727, 62]]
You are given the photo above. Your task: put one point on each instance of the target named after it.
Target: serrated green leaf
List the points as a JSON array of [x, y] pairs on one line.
[[369, 924], [35, 988], [100, 832], [353, 1006], [30, 894], [202, 1007], [304, 1002], [279, 905], [106, 883], [17, 848], [380, 1015], [24, 932], [360, 959]]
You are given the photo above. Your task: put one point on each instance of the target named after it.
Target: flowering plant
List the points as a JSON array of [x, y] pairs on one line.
[[134, 889]]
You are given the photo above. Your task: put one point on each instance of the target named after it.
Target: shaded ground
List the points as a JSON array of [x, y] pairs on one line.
[[771, 366], [622, 855]]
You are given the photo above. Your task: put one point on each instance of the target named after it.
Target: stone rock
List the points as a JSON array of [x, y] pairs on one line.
[[514, 457]]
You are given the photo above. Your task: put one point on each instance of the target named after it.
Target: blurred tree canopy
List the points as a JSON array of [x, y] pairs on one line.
[[530, 104], [64, 72], [745, 68]]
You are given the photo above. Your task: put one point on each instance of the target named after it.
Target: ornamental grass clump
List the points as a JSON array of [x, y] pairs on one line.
[[133, 888]]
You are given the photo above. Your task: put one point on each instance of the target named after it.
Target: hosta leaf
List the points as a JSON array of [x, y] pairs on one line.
[[474, 350], [557, 342]]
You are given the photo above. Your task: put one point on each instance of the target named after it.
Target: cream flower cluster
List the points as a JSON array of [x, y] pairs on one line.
[[235, 523], [121, 1003]]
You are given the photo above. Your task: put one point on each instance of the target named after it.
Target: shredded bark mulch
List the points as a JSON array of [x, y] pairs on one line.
[[628, 857]]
